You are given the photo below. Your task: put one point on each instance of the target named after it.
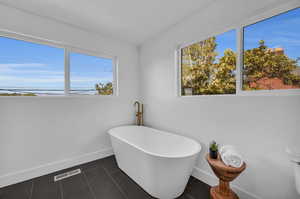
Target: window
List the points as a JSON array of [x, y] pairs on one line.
[[91, 75], [272, 53], [35, 69], [268, 59], [209, 66], [29, 69]]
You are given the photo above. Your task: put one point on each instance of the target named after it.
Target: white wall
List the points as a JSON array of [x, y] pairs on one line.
[[260, 126], [39, 135]]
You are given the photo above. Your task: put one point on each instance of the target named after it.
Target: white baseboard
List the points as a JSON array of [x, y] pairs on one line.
[[212, 180], [27, 174]]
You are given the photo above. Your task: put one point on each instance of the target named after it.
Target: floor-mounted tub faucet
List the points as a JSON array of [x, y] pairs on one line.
[[139, 113]]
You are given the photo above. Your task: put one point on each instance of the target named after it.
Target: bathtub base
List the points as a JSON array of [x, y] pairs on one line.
[[163, 182], [161, 177]]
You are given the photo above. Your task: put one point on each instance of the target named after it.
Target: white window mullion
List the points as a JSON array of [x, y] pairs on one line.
[[178, 72], [239, 61], [67, 72], [115, 76]]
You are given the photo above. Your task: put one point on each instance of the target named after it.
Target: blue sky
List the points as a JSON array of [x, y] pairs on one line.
[[86, 71], [24, 64], [29, 65], [224, 41], [279, 31]]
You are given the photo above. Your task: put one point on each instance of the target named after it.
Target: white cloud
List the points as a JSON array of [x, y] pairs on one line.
[[35, 72], [30, 74], [5, 79], [46, 79], [275, 41], [22, 65], [15, 67], [28, 69], [89, 79]]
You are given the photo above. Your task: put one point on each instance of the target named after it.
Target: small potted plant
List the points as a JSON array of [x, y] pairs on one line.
[[213, 150]]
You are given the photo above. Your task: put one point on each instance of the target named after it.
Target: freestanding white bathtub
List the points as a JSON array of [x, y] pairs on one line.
[[160, 162]]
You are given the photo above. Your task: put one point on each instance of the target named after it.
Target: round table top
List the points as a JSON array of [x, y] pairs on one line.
[[219, 165]]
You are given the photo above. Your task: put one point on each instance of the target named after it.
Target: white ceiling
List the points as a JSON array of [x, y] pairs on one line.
[[133, 21]]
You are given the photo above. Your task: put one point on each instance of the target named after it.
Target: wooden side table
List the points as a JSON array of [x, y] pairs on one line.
[[226, 174]]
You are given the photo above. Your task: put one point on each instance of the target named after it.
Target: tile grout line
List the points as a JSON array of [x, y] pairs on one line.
[[88, 183], [31, 189], [61, 190], [115, 182]]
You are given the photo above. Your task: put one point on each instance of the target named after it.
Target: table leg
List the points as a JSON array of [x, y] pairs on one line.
[[222, 191]]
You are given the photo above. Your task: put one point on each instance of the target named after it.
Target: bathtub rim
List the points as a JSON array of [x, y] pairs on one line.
[[195, 152]]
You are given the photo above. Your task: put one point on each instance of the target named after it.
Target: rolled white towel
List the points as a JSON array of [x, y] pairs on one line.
[[231, 157]]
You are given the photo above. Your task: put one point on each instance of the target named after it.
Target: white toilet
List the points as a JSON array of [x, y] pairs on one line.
[[295, 158]]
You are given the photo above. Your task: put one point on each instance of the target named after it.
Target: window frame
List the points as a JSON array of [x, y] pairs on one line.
[[240, 59], [67, 50]]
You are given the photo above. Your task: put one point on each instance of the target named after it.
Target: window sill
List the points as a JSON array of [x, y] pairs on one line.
[[287, 92], [61, 97]]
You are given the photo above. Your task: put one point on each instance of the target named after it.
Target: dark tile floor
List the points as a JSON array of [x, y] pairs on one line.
[[100, 179]]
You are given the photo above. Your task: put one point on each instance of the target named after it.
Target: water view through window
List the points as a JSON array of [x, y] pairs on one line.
[[272, 53], [29, 69], [91, 75]]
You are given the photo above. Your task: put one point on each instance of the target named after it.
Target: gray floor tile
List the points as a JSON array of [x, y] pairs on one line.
[[17, 191], [129, 187], [45, 188], [76, 187], [91, 165], [102, 185], [197, 189], [101, 179], [186, 196], [110, 164]]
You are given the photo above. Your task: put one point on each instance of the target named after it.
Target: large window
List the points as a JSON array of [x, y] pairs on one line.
[[31, 69], [91, 75], [208, 67], [267, 60], [272, 53]]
